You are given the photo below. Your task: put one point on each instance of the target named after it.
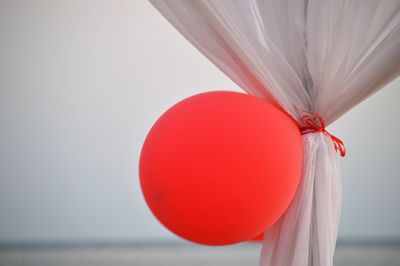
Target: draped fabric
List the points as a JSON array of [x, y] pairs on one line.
[[318, 56]]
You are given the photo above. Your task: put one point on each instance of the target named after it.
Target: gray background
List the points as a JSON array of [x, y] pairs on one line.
[[81, 82]]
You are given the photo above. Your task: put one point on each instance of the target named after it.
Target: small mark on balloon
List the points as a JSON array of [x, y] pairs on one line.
[[159, 196]]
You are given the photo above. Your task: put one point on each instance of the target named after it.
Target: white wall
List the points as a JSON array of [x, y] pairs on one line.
[[81, 82]]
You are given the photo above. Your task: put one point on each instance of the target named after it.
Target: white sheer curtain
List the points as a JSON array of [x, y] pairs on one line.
[[319, 56]]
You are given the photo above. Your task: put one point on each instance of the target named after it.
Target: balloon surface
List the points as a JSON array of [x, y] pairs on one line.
[[218, 168]]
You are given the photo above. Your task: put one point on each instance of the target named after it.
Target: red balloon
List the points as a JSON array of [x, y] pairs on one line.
[[220, 167], [258, 238]]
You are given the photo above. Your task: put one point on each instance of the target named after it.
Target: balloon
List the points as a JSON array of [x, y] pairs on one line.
[[220, 167], [258, 238]]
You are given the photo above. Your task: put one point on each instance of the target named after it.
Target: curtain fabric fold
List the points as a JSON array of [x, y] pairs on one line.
[[318, 56]]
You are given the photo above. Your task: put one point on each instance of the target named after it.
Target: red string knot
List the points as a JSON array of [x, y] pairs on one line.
[[313, 123]]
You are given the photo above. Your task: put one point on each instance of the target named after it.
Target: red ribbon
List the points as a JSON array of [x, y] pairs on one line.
[[317, 125]]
